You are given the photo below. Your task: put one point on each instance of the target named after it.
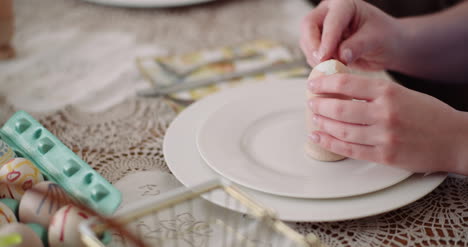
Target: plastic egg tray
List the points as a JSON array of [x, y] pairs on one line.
[[30, 140]]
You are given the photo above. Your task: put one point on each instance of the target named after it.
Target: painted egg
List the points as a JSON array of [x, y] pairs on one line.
[[6, 153], [6, 215], [40, 203], [63, 229], [17, 176], [28, 236]]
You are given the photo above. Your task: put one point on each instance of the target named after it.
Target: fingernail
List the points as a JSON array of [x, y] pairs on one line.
[[312, 84], [315, 54], [347, 55], [311, 104], [315, 119], [320, 54], [314, 137]]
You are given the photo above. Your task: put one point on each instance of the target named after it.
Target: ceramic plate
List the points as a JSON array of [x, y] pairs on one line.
[[258, 138], [148, 3], [182, 157]]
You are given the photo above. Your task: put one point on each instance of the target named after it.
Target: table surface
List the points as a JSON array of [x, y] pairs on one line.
[[75, 72]]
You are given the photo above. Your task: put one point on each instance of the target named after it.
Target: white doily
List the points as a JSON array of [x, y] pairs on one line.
[[128, 139]]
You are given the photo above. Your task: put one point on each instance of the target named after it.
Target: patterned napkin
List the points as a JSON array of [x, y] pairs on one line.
[[184, 68]]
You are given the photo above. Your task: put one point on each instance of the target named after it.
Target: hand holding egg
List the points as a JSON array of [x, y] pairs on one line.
[[354, 32], [388, 124]]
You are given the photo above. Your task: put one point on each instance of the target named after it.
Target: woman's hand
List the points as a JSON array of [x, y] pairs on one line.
[[351, 31], [389, 124]]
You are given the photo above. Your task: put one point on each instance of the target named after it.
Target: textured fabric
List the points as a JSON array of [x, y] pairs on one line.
[[128, 138]]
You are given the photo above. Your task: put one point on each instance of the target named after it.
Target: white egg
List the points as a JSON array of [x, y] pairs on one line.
[[312, 149], [17, 176], [28, 236], [6, 153], [7, 216], [39, 204], [63, 228]]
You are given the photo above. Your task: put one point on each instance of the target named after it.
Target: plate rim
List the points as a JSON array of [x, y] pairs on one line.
[[286, 207]]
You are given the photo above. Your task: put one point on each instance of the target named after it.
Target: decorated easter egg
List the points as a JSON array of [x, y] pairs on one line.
[[6, 153], [17, 176], [40, 203], [63, 228], [6, 215], [40, 231], [20, 235]]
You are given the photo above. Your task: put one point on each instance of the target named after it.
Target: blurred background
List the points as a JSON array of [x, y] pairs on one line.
[[53, 47]]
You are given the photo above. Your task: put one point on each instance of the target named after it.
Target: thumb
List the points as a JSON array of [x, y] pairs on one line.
[[356, 46]]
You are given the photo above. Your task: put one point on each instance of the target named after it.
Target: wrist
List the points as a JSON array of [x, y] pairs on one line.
[[401, 44], [461, 145]]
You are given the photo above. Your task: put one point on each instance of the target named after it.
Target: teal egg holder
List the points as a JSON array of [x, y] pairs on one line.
[[30, 140]]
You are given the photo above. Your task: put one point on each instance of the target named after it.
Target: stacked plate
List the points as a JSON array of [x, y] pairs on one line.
[[254, 135]]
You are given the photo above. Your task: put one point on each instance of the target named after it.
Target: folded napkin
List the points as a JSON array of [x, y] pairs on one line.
[[205, 64]]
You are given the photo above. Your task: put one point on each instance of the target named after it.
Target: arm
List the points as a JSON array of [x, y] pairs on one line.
[[432, 46], [435, 46], [393, 125], [462, 160]]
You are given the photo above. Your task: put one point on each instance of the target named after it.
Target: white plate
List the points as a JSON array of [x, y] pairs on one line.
[[148, 3], [257, 140], [183, 159]]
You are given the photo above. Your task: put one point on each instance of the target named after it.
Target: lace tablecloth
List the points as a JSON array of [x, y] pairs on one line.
[[80, 54]]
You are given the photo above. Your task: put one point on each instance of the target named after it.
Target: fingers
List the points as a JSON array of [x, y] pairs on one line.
[[348, 111], [353, 86], [357, 45], [309, 53], [337, 20], [310, 33], [354, 133], [348, 149]]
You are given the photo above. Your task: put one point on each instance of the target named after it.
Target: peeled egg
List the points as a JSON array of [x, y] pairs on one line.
[[6, 215], [6, 153], [28, 236], [63, 229], [312, 149], [17, 176], [39, 204]]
